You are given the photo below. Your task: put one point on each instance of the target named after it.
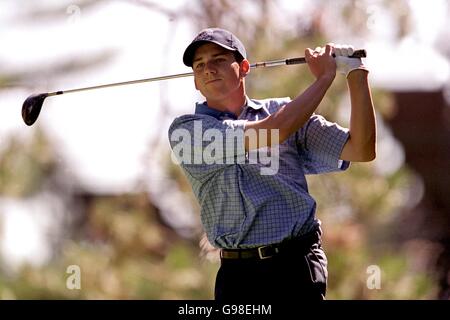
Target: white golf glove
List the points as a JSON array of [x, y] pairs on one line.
[[344, 64]]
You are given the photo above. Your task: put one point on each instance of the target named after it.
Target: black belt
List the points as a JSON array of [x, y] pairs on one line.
[[271, 250]]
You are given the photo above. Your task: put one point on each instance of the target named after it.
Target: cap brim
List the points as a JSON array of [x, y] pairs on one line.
[[189, 53]]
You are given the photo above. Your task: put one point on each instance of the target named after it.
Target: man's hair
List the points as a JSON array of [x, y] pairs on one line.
[[239, 58]]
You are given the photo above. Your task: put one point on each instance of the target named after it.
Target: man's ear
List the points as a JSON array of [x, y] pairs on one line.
[[245, 68]]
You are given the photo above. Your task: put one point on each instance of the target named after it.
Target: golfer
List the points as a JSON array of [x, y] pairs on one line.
[[246, 161]]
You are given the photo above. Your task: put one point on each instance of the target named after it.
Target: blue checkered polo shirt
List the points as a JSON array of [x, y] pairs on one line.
[[240, 206]]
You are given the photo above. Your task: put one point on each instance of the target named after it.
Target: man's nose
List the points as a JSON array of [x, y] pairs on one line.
[[209, 67]]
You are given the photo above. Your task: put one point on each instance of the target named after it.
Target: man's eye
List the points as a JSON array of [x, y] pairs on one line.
[[199, 65]]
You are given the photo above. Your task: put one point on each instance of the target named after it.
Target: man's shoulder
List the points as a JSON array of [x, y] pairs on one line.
[[272, 100], [187, 120], [270, 104]]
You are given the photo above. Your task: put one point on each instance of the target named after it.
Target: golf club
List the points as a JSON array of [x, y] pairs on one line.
[[33, 104]]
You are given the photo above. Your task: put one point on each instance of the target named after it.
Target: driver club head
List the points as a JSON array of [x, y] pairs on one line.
[[32, 107]]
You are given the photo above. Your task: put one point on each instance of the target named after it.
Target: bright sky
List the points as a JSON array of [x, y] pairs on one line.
[[104, 135], [413, 63]]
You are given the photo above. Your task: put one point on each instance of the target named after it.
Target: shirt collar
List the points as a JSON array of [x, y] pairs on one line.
[[202, 108]]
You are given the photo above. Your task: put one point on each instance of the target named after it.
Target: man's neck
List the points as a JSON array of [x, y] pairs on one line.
[[234, 104]]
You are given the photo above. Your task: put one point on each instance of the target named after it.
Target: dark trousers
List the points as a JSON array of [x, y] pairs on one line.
[[297, 273]]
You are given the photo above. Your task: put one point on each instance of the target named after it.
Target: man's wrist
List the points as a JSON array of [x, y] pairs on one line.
[[358, 72], [327, 78]]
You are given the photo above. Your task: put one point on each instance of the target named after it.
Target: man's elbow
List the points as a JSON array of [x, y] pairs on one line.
[[368, 155], [365, 154], [359, 153]]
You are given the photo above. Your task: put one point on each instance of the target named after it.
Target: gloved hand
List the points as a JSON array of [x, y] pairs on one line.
[[344, 64]]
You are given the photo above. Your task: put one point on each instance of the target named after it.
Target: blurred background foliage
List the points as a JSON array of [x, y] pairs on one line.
[[126, 250]]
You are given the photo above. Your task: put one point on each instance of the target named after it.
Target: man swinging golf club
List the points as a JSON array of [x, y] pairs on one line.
[[264, 222]]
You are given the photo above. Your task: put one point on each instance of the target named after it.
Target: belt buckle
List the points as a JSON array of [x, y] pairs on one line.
[[262, 256]]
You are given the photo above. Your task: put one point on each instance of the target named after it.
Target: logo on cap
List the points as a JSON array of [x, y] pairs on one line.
[[205, 35]]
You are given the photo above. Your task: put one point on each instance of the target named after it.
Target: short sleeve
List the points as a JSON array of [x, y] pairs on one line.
[[203, 145], [320, 143]]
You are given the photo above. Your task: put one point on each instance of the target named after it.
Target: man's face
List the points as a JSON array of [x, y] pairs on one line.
[[217, 74]]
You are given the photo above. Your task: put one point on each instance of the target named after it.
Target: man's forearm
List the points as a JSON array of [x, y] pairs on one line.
[[293, 115], [361, 145]]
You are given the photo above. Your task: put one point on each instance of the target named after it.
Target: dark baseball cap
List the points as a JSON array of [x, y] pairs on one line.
[[221, 37]]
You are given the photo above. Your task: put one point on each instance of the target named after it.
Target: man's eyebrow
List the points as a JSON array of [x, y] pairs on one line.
[[214, 55]]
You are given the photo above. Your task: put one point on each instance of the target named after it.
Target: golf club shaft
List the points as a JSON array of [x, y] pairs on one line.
[[273, 63], [174, 76]]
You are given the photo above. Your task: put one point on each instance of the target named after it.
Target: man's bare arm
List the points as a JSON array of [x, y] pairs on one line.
[[361, 145], [296, 113]]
